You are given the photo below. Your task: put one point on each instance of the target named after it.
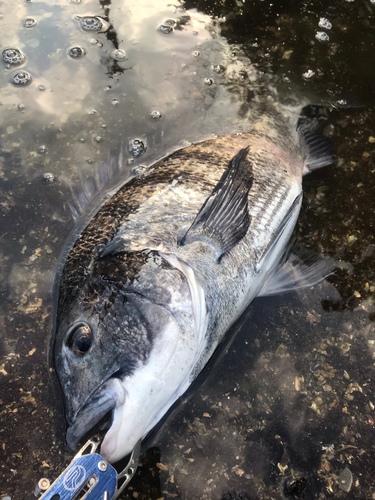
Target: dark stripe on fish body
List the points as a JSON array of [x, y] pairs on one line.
[[198, 166]]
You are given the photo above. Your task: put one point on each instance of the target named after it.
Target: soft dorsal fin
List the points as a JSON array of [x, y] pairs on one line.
[[224, 218]]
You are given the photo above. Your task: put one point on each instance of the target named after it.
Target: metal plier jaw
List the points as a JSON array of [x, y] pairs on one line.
[[89, 477]]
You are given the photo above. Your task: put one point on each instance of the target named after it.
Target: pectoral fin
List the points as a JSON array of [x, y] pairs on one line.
[[282, 236], [224, 218], [300, 268]]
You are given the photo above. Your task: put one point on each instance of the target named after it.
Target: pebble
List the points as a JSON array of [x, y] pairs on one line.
[[327, 388]]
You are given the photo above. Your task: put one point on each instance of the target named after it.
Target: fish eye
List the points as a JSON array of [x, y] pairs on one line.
[[80, 339]]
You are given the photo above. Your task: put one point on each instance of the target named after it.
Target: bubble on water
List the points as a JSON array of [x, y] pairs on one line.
[[91, 23], [29, 22], [20, 107], [76, 52], [322, 36], [155, 114], [93, 41], [243, 75], [218, 68], [115, 103], [103, 125], [98, 138], [75, 1], [196, 53], [118, 55], [48, 178], [138, 169], [170, 22], [33, 42], [13, 56], [93, 112], [163, 28], [82, 139], [308, 75], [325, 23], [208, 81], [42, 149], [41, 87], [21, 78], [136, 147]]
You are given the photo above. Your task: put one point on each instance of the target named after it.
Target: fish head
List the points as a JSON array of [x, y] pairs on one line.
[[123, 349]]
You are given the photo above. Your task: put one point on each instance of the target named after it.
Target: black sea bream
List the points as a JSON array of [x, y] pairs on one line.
[[168, 264]]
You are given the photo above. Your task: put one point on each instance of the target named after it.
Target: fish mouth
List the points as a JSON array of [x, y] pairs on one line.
[[103, 401]]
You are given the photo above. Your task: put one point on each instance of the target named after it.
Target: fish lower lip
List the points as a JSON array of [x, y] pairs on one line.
[[107, 397]]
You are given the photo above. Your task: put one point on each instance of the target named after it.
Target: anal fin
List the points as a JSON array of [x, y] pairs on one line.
[[224, 218]]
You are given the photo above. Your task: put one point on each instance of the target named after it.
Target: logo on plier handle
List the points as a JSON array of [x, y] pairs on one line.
[[74, 477]]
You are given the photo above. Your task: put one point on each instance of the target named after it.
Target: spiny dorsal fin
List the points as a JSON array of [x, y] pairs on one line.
[[224, 218]]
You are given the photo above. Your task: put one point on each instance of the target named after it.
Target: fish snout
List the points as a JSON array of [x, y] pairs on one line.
[[103, 400]]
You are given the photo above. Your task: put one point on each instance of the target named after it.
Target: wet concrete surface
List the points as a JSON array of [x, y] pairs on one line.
[[289, 408]]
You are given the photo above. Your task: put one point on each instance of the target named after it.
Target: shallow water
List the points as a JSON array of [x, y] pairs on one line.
[[290, 406]]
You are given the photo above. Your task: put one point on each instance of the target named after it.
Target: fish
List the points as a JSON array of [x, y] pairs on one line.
[[169, 262]]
